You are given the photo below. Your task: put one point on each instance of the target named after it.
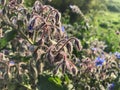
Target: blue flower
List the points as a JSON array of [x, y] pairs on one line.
[[63, 29], [11, 63], [30, 27], [111, 86], [32, 23], [99, 61], [117, 54]]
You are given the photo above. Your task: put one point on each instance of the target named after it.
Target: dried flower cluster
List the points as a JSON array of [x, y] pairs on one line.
[[39, 38]]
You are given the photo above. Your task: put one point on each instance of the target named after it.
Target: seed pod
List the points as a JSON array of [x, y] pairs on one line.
[[69, 47], [59, 57], [78, 44], [74, 70]]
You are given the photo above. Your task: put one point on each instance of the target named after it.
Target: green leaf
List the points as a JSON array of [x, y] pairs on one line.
[[67, 78], [55, 80], [48, 82], [8, 37]]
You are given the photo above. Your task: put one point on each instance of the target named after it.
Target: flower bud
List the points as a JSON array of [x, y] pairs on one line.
[[78, 44], [69, 47], [74, 70], [59, 57]]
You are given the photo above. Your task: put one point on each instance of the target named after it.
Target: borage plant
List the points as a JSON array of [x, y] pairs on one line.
[[37, 54], [33, 43]]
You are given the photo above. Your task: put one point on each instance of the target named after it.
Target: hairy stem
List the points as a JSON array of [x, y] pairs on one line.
[[72, 38]]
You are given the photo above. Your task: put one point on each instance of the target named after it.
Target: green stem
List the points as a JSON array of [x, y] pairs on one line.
[[34, 36], [28, 39], [42, 36], [59, 42]]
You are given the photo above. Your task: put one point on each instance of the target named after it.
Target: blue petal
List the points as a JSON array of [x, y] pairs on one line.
[[111, 86], [117, 54], [30, 27], [99, 61], [12, 62], [63, 29]]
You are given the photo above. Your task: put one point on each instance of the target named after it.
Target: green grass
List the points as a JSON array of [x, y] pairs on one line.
[[116, 0], [107, 24]]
